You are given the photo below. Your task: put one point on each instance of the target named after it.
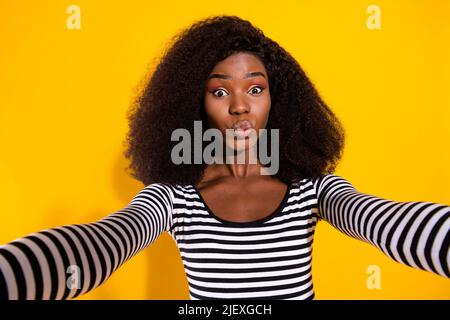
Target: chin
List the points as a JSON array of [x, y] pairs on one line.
[[242, 144]]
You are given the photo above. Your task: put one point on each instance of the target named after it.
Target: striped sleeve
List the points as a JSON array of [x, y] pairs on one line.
[[416, 234], [68, 261]]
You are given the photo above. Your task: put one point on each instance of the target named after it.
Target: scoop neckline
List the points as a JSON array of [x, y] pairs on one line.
[[246, 223]]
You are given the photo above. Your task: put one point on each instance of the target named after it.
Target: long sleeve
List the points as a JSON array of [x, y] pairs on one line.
[[67, 261], [416, 234]]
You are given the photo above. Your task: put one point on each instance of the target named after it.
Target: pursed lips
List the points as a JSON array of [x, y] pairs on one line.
[[242, 125], [242, 128]]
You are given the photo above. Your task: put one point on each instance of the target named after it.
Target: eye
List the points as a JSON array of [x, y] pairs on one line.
[[219, 90], [252, 90]]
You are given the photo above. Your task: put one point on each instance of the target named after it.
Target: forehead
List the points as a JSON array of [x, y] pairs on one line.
[[240, 62]]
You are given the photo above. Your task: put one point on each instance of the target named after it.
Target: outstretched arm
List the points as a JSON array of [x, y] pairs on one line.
[[413, 233], [43, 265]]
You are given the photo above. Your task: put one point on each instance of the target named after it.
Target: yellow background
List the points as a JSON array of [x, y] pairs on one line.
[[64, 95]]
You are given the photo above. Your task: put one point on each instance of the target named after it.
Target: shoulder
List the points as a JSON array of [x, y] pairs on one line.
[[173, 192], [330, 181], [158, 191]]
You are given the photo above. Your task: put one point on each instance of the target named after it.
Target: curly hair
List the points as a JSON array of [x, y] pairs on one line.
[[311, 136]]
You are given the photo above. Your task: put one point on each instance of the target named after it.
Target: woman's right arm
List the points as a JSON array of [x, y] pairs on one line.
[[67, 261]]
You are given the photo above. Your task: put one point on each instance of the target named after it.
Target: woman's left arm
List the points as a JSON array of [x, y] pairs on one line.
[[413, 233]]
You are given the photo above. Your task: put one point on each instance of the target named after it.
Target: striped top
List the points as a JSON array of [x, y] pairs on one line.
[[265, 259]]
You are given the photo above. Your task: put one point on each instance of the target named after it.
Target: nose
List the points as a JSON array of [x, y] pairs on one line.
[[239, 106]]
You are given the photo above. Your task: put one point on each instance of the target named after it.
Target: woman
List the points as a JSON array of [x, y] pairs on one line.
[[241, 232]]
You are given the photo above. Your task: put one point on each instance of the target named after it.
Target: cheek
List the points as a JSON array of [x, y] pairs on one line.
[[263, 112], [212, 114]]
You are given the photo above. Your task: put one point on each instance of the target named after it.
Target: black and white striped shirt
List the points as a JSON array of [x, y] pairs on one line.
[[265, 259]]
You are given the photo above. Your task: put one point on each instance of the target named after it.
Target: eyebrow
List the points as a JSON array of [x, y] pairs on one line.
[[225, 77]]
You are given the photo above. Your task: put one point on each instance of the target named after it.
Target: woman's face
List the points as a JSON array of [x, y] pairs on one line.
[[237, 97]]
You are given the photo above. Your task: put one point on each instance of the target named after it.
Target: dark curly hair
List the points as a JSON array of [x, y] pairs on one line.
[[311, 136]]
